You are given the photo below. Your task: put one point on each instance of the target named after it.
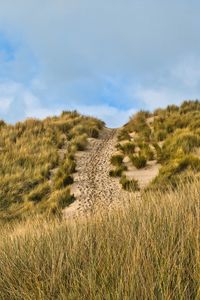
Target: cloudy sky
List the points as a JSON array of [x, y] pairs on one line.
[[107, 58]]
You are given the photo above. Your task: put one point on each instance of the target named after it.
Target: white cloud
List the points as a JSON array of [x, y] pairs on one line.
[[7, 94], [59, 44], [187, 71], [19, 102], [5, 104], [113, 116], [22, 103], [155, 98], [162, 96], [74, 39], [35, 109]]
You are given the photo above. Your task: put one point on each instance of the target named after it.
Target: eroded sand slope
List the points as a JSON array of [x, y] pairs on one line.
[[93, 188]]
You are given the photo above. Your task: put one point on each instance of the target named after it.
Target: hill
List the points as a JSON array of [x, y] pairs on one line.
[[46, 165], [165, 143], [89, 212], [37, 162]]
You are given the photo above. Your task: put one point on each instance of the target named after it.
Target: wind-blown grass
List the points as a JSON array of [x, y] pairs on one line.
[[147, 250], [31, 168], [171, 136]]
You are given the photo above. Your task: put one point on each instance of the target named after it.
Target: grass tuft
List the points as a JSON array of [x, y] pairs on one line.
[[138, 161], [117, 160], [129, 185]]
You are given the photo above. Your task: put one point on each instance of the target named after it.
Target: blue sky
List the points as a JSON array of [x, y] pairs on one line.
[[105, 58]]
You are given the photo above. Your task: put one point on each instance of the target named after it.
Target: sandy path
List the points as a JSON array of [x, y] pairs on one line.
[[93, 188]]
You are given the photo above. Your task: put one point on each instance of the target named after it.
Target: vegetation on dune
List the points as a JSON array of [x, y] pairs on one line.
[[183, 142], [179, 169], [138, 161], [118, 171], [117, 160], [127, 148], [146, 151], [140, 250], [129, 185], [123, 135], [171, 136], [147, 250], [31, 168]]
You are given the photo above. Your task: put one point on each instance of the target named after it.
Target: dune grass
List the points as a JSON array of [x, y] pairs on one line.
[[37, 158], [130, 185], [147, 250], [138, 161], [117, 160], [171, 136]]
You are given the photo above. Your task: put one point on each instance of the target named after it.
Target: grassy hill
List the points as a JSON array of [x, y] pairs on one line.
[[170, 136], [37, 162], [37, 158], [145, 248]]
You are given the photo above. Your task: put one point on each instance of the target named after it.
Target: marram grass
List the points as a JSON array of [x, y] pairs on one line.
[[150, 249]]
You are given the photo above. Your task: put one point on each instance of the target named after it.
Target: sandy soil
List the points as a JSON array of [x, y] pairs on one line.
[[93, 188], [143, 176]]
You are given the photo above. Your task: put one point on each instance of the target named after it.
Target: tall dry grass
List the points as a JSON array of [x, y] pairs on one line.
[[171, 136], [149, 250], [37, 162]]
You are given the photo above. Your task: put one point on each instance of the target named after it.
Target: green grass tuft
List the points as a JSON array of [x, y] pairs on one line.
[[117, 160], [129, 185], [138, 161]]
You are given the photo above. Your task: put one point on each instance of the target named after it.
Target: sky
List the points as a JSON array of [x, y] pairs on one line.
[[105, 58]]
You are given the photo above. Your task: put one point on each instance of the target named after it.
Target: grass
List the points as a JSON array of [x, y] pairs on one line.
[[178, 169], [79, 143], [117, 160], [167, 135], [138, 161], [39, 192], [123, 135], [63, 181], [146, 151], [59, 200], [31, 168], [147, 250], [127, 148], [118, 171], [130, 185], [182, 142]]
